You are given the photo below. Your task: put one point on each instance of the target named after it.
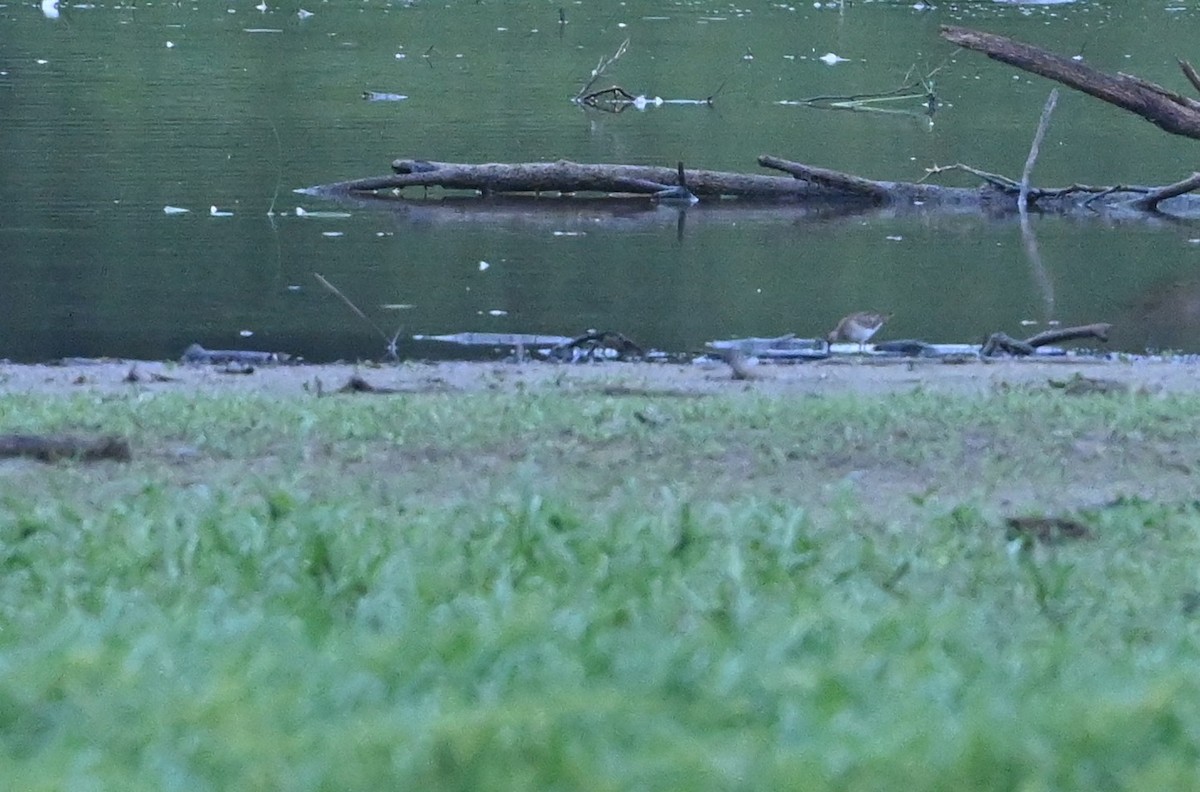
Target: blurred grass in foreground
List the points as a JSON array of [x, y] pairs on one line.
[[557, 590]]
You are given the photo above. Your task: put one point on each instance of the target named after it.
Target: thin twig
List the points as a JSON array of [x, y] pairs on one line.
[[391, 342], [994, 179], [601, 67], [861, 97], [1189, 71]]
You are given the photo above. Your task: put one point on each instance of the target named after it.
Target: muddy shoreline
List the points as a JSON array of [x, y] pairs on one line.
[[831, 377]]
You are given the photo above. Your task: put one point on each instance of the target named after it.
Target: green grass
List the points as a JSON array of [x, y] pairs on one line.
[[567, 590]]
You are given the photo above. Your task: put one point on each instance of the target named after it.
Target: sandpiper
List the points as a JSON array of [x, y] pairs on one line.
[[858, 327]]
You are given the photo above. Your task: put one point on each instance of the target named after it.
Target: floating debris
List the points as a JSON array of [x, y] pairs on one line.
[[596, 345], [196, 354], [514, 340], [321, 215], [786, 347], [383, 96]]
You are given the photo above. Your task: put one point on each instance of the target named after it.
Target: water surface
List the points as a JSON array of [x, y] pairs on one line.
[[112, 112]]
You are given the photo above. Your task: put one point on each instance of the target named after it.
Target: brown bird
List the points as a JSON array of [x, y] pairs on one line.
[[858, 327]]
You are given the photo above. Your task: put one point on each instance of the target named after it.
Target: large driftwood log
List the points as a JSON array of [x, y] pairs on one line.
[[573, 177], [1161, 106], [804, 184]]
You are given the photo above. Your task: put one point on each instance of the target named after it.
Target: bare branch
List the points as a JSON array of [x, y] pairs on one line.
[[1152, 199], [1043, 123], [601, 67], [352, 306]]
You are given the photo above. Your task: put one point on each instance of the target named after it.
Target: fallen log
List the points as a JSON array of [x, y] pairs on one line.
[[564, 177], [805, 185], [1161, 106]]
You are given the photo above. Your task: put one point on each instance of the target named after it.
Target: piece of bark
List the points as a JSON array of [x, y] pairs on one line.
[[1080, 385], [1048, 530], [1161, 106], [134, 376], [52, 448], [196, 354], [357, 384]]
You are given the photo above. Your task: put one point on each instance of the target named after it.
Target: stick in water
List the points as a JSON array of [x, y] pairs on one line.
[[1043, 122], [391, 342]]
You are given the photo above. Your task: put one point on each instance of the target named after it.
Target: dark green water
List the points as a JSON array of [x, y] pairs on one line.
[[103, 124]]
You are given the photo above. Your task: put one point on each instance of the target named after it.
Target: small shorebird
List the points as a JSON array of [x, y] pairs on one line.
[[858, 327]]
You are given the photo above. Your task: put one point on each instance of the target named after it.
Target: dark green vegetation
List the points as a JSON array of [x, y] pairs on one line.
[[560, 589]]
